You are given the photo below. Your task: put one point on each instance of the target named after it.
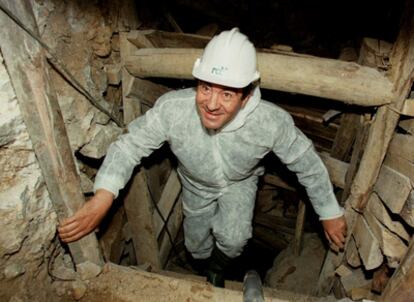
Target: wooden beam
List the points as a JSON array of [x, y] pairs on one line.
[[137, 202], [38, 103], [327, 78]]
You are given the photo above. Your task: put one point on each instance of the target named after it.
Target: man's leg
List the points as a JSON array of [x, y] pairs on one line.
[[198, 215], [232, 227]]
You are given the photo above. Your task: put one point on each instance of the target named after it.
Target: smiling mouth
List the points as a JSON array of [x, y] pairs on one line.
[[211, 115]]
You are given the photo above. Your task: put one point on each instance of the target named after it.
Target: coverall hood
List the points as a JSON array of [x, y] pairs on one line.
[[244, 112]]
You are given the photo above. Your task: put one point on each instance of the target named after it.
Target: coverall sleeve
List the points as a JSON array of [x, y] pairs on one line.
[[297, 152], [144, 135]]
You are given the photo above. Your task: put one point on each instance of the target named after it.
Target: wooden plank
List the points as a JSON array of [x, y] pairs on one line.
[[402, 145], [376, 208], [367, 244], [391, 245], [167, 201], [38, 103], [393, 188], [146, 91], [352, 256], [327, 78]]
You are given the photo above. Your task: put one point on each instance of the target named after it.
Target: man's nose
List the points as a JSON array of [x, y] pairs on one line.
[[213, 101]]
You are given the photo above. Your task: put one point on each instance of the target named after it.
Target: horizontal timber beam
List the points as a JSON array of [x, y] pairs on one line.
[[333, 79]]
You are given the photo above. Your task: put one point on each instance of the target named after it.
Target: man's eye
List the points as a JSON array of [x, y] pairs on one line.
[[205, 88], [228, 95]]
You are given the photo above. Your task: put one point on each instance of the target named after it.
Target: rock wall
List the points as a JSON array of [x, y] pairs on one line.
[[84, 35], [27, 220]]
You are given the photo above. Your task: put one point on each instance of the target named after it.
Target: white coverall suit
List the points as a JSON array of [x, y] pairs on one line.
[[219, 169]]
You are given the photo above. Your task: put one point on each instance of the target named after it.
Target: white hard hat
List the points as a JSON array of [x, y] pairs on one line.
[[229, 59]]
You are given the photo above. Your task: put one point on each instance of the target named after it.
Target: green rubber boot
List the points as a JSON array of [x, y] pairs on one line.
[[219, 262]]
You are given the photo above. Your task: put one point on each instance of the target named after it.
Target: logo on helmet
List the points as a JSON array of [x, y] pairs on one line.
[[218, 70]]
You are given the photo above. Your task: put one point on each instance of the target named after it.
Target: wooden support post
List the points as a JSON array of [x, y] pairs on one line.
[[300, 223], [26, 64], [327, 78], [346, 135], [137, 202]]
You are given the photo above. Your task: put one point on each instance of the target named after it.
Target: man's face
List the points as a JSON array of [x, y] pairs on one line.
[[217, 104]]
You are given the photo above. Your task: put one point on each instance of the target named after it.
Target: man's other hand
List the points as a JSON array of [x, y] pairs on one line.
[[335, 231], [87, 218]]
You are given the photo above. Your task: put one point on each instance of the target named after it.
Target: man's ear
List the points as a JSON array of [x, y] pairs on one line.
[[246, 98]]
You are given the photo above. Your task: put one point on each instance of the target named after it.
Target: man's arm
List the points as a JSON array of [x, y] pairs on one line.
[[145, 134], [296, 151]]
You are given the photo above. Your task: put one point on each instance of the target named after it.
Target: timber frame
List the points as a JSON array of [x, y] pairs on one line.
[[377, 180]]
